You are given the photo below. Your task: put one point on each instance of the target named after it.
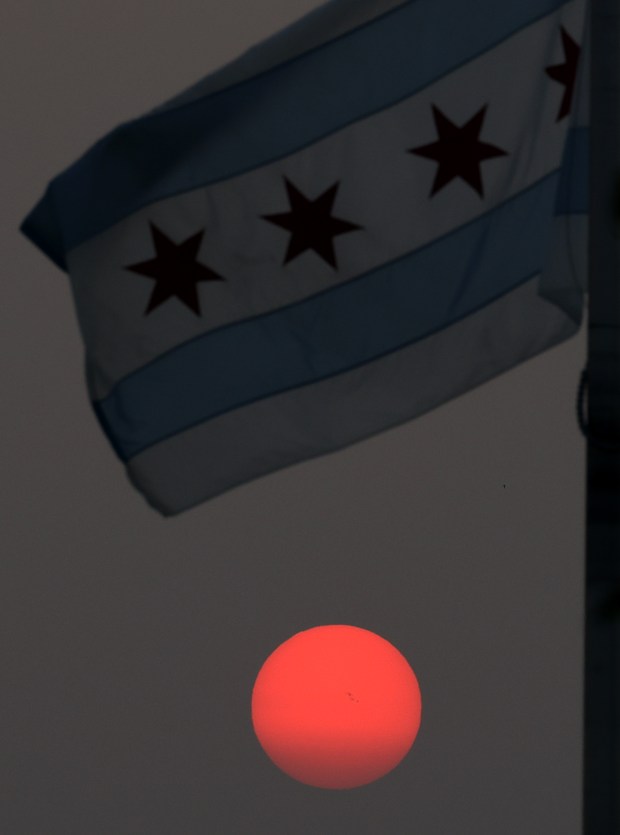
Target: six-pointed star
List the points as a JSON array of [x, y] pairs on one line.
[[566, 73], [175, 270], [458, 150], [311, 224]]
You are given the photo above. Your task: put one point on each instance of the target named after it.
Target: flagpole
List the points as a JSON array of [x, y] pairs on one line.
[[601, 781]]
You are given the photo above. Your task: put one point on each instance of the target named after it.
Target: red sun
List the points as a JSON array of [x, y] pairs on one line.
[[336, 707]]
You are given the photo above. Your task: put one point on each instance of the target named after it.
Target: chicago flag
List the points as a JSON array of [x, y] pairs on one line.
[[372, 212]]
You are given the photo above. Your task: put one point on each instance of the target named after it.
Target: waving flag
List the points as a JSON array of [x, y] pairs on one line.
[[362, 217]]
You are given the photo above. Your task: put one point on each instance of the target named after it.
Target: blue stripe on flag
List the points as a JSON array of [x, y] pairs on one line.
[[274, 114], [334, 331]]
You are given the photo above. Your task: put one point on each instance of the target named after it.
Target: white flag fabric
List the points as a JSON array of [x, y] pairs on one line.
[[370, 213]]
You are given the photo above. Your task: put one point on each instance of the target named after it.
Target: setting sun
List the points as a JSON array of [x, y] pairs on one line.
[[336, 706]]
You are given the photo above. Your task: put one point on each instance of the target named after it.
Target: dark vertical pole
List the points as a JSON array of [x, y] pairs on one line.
[[602, 628]]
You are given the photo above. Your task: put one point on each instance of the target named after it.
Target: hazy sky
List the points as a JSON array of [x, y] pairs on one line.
[[130, 642]]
